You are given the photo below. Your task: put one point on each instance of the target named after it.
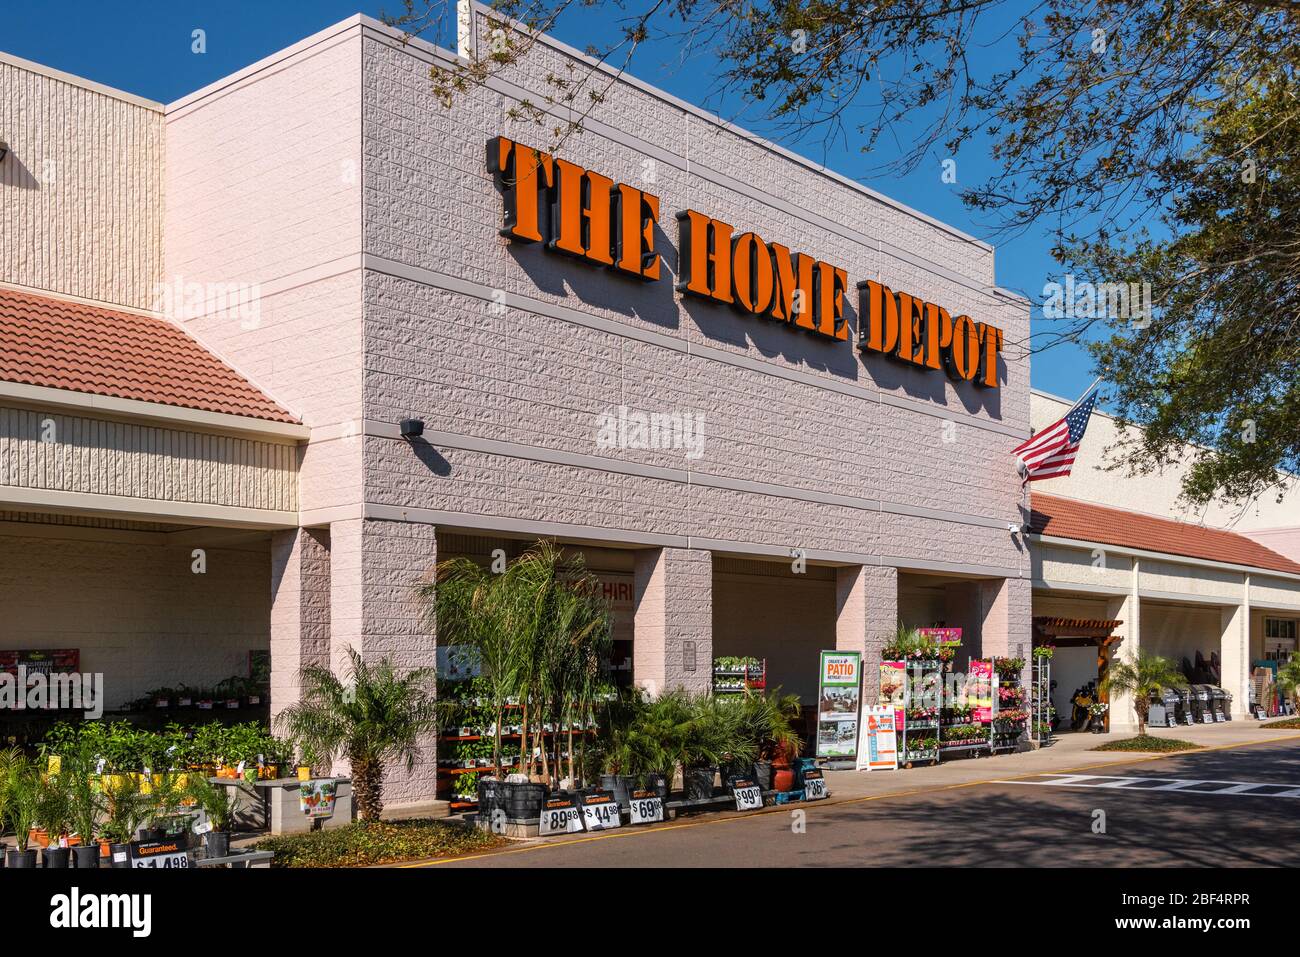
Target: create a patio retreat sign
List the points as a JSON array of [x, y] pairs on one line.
[[588, 216], [839, 690]]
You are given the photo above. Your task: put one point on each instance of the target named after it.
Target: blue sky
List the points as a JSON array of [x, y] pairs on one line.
[[145, 48]]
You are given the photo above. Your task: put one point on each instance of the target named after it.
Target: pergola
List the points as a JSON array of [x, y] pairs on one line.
[[1082, 633]]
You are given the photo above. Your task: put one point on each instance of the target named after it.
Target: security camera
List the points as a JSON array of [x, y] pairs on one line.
[[1015, 529]]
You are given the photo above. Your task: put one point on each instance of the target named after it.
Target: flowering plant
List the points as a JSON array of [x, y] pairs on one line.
[[1011, 696], [922, 714], [1012, 714], [1098, 708], [1044, 651], [1009, 667]]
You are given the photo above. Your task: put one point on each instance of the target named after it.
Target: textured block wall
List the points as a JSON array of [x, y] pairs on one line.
[[805, 443], [134, 607], [81, 190]]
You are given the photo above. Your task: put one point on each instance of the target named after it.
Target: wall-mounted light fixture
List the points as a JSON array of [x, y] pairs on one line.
[[411, 428]]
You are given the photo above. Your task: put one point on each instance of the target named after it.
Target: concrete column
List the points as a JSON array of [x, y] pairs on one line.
[[866, 617], [1129, 610], [1005, 624], [300, 609], [672, 644], [1234, 650], [374, 569]]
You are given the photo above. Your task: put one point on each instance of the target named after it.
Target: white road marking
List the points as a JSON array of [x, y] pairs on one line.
[[1111, 782]]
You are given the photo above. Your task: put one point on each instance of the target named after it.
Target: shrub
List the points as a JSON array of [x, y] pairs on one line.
[[366, 843]]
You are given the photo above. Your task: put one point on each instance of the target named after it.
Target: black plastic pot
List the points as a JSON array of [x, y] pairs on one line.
[[152, 834], [55, 856], [23, 859], [523, 802], [698, 783], [119, 855], [620, 785], [216, 843], [738, 772], [85, 856], [763, 774], [657, 783]]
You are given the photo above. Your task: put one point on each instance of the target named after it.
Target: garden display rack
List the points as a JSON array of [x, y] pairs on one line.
[[1009, 705], [918, 734], [1041, 709], [736, 675]]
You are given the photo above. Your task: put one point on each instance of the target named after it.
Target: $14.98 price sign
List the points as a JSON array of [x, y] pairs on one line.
[[647, 807], [560, 816], [600, 812], [814, 786], [749, 797]]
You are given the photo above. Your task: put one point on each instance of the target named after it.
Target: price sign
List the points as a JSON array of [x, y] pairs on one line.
[[1259, 714], [749, 797], [600, 812], [647, 807], [560, 816], [1171, 719], [1218, 716], [814, 786], [159, 854]]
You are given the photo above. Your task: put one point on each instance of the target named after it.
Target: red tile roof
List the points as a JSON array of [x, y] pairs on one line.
[[1084, 521], [68, 345]]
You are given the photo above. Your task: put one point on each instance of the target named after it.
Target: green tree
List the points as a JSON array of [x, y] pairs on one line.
[[1148, 675], [1288, 680], [1154, 140], [373, 716]]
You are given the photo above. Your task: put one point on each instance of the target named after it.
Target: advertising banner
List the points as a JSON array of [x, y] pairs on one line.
[[893, 689], [878, 747], [979, 690], [839, 691], [316, 797]]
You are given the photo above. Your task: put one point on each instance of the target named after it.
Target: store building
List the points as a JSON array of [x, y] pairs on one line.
[[224, 317]]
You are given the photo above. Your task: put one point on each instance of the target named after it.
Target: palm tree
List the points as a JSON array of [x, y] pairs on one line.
[[1288, 680], [1148, 675], [374, 717]]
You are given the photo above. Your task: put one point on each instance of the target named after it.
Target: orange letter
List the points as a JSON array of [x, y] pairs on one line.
[[516, 169], [751, 273], [704, 256], [877, 303], [636, 213], [962, 357], [581, 213], [830, 301], [792, 276], [938, 334], [991, 339]]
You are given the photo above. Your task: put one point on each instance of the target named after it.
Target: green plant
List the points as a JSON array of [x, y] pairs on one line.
[[128, 808], [53, 807], [217, 800], [377, 717], [1288, 680], [86, 804], [368, 843], [1148, 675], [25, 794]]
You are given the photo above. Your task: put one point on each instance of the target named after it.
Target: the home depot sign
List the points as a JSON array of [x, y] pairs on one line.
[[583, 214]]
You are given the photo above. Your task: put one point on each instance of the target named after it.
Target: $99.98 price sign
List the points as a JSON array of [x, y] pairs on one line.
[[749, 797]]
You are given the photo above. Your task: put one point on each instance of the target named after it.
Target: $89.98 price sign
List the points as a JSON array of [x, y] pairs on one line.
[[560, 816]]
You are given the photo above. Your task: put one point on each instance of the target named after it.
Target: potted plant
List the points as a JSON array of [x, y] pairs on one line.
[[218, 802], [85, 807], [24, 793], [377, 717], [53, 812], [128, 808]]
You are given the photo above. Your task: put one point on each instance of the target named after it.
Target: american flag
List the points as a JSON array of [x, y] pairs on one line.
[[1051, 452]]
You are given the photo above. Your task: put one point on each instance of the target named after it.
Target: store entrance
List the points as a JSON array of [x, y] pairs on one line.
[[776, 621], [1082, 649]]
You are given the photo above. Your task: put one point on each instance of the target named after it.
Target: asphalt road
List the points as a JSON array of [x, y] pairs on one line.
[[1157, 813]]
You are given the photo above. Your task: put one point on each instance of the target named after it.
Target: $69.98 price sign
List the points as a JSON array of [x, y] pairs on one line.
[[647, 809]]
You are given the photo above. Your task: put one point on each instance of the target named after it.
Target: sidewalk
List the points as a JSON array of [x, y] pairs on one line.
[[1067, 752]]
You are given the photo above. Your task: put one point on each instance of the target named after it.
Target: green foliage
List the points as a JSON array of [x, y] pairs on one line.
[[372, 717], [1288, 679], [217, 800], [1147, 676], [1147, 742], [542, 632], [368, 843]]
